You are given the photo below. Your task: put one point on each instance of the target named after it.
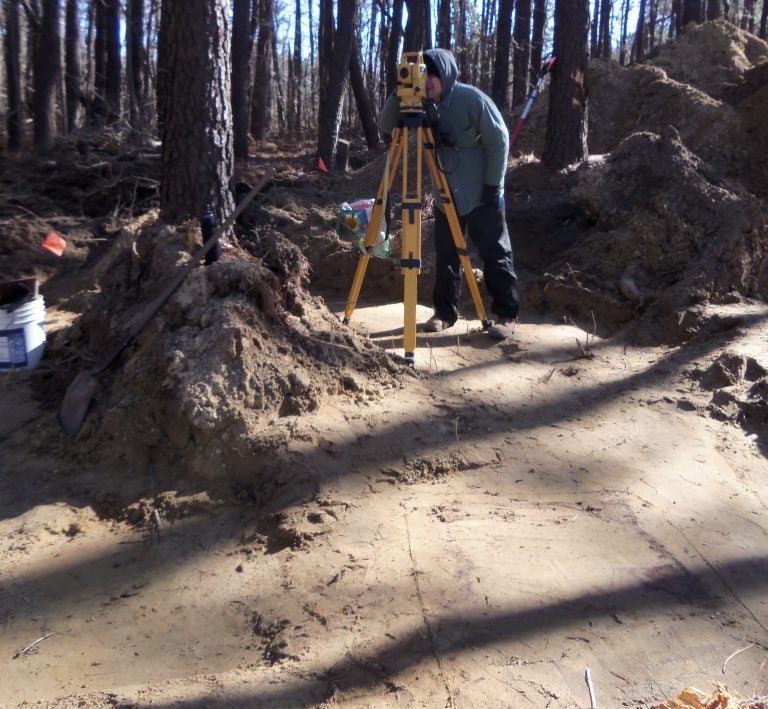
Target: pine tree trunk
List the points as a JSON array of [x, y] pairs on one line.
[[624, 26], [593, 30], [691, 12], [640, 33], [500, 86], [194, 108], [362, 99], [444, 23], [652, 15], [262, 76], [418, 28], [14, 119], [47, 72], [242, 49], [395, 32], [72, 64], [135, 66], [566, 138], [537, 37], [279, 93], [113, 65], [521, 53], [298, 75], [605, 29], [332, 93]]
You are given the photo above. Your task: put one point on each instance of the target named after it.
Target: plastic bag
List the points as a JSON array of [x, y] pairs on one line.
[[352, 225]]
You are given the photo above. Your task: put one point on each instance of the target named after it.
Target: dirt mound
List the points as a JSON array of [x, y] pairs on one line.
[[240, 345], [711, 57], [667, 235], [716, 106]]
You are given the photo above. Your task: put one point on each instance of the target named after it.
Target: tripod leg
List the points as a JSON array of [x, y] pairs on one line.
[[371, 234], [410, 262], [458, 237]]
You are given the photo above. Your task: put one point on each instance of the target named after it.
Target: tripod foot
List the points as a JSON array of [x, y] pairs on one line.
[[409, 358], [345, 321], [487, 324]]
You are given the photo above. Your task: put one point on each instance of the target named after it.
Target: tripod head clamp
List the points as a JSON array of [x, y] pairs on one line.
[[412, 82]]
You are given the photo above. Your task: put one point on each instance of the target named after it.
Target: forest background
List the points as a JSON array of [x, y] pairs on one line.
[[315, 70]]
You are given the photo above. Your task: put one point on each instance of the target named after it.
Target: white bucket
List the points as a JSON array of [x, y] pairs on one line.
[[22, 334]]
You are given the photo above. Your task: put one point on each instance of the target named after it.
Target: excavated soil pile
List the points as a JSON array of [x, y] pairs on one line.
[[668, 234], [667, 214], [709, 84], [240, 344]]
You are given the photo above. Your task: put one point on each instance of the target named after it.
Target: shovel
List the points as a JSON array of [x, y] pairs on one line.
[[80, 392]]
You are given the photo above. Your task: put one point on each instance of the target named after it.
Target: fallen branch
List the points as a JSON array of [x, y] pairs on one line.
[[29, 648]]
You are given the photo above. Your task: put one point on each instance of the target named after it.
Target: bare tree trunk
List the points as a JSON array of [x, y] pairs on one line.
[[47, 72], [462, 46], [593, 30], [135, 64], [691, 12], [537, 37], [605, 29], [262, 76], [113, 67], [566, 139], [194, 108], [714, 10], [30, 51], [486, 48], [395, 32], [444, 23], [763, 21], [748, 16], [242, 50], [298, 75], [362, 99], [652, 15], [332, 93], [280, 94], [312, 55], [624, 25], [521, 52], [500, 86], [72, 64], [678, 17], [418, 28], [15, 116], [640, 33], [383, 54]]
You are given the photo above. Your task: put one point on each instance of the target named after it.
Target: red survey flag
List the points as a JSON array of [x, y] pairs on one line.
[[54, 243]]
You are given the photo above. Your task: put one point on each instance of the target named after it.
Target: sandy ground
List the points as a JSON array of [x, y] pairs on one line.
[[523, 524]]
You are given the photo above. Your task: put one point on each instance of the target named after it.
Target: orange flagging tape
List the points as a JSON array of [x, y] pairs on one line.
[[54, 243]]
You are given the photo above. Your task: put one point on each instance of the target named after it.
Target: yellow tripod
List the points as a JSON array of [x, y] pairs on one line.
[[410, 261]]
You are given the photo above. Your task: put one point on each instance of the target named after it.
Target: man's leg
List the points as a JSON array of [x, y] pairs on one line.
[[445, 296], [487, 227]]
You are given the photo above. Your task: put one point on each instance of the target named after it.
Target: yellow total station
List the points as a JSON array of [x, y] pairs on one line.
[[411, 89]]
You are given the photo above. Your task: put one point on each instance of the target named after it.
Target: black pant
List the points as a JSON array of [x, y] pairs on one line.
[[486, 226]]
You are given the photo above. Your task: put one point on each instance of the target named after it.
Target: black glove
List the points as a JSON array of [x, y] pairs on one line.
[[491, 194]]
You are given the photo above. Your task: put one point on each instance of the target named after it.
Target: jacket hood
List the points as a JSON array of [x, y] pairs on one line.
[[447, 69]]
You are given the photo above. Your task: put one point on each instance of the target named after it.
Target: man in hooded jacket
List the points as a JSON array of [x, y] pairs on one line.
[[472, 147]]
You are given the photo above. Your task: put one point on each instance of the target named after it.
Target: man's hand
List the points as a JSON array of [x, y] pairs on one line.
[[491, 195]]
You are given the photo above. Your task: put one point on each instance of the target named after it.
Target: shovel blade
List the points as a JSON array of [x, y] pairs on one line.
[[76, 402]]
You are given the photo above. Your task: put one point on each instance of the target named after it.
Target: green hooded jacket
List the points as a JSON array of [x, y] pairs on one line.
[[472, 139]]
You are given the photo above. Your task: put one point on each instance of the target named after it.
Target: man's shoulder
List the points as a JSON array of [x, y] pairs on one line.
[[469, 93]]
